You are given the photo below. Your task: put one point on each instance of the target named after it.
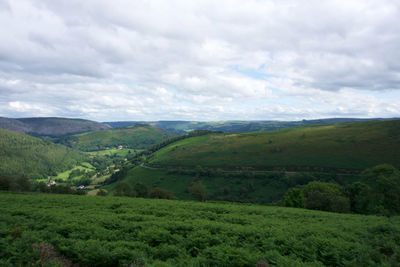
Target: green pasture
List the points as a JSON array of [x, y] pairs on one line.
[[115, 151]]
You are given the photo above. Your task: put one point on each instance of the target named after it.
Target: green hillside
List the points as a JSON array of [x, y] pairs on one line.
[[58, 230], [21, 154], [139, 137], [356, 145]]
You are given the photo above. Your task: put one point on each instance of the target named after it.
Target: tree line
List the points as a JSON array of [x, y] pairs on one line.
[[23, 184]]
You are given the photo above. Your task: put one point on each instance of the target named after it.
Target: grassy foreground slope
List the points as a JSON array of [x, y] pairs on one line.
[[21, 154], [139, 136], [112, 231], [356, 145]]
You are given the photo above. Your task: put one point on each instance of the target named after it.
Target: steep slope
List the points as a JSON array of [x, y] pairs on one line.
[[139, 137], [21, 154], [356, 145], [51, 126]]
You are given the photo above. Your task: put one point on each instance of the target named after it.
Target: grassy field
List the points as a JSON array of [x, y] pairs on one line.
[[112, 231], [85, 166], [356, 145], [139, 136], [115, 151]]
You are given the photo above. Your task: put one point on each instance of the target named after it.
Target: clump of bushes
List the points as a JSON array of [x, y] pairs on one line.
[[318, 196], [102, 193], [141, 190], [161, 193], [378, 192]]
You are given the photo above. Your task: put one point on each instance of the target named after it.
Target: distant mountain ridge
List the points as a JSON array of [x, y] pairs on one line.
[[51, 126], [235, 126]]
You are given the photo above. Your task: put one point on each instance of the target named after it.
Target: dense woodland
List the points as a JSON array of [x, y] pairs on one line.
[[23, 155]]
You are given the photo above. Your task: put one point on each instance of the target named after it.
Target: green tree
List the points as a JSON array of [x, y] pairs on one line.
[[102, 193], [326, 196], [294, 197], [198, 191], [23, 184], [124, 189], [5, 183], [318, 196], [384, 193], [161, 193], [360, 202], [141, 189], [42, 187]]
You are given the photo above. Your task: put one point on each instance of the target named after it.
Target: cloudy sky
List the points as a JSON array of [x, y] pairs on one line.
[[200, 60]]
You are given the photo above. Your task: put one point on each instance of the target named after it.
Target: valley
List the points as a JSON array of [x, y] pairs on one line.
[[213, 183]]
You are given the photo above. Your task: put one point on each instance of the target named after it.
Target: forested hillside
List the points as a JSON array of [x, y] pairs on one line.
[[21, 154], [139, 137]]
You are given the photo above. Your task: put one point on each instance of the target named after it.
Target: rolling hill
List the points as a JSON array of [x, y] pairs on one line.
[[139, 136], [50, 126], [259, 167], [21, 154], [356, 145]]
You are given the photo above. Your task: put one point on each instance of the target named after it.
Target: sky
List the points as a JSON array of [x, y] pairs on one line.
[[200, 60]]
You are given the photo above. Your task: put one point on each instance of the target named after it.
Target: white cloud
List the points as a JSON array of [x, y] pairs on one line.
[[206, 60]]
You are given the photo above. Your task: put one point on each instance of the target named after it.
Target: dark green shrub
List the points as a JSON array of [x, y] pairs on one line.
[[124, 189], [318, 196], [161, 193], [384, 189], [5, 183], [198, 191], [101, 192], [141, 189]]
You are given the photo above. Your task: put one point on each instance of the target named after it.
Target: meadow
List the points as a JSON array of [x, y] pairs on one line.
[[115, 152], [46, 230]]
